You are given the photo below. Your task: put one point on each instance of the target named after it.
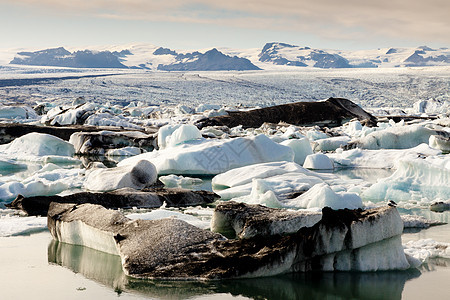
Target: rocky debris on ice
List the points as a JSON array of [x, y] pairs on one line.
[[209, 157], [168, 248], [11, 131], [249, 220], [414, 221], [332, 112], [123, 198], [139, 175], [101, 142]]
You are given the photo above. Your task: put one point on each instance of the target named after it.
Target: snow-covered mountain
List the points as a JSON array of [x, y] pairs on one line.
[[290, 55], [272, 55]]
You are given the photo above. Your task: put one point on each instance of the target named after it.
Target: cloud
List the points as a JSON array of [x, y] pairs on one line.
[[346, 19]]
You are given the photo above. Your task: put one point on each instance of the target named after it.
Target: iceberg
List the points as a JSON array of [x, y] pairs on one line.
[[284, 179], [379, 159], [318, 161], [17, 112], [37, 144], [398, 137], [139, 175], [343, 240], [414, 179], [321, 195], [301, 148], [214, 156]]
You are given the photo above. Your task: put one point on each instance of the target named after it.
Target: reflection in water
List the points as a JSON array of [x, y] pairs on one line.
[[107, 270]]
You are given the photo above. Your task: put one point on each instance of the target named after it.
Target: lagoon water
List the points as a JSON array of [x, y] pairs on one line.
[[34, 266], [37, 267]]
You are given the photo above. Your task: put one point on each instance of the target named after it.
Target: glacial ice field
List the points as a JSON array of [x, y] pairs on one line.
[[287, 167]]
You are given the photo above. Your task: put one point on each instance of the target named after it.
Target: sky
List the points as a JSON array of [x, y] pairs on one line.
[[199, 24]]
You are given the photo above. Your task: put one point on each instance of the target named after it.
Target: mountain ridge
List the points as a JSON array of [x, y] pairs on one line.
[[271, 55]]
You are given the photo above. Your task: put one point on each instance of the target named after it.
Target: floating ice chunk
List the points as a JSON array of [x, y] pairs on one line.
[[427, 248], [164, 132], [106, 119], [431, 106], [161, 213], [301, 148], [321, 195], [17, 112], [73, 116], [292, 132], [414, 221], [37, 144], [313, 135], [244, 175], [330, 144], [179, 181], [215, 113], [214, 156], [137, 176], [318, 161], [398, 137], [183, 110], [13, 225], [261, 194], [183, 134], [49, 181], [125, 151], [379, 159], [424, 178], [204, 107], [440, 142]]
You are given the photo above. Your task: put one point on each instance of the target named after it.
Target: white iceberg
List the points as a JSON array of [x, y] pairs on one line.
[[179, 181], [318, 161], [414, 179], [137, 176], [17, 112], [379, 159], [214, 156], [321, 195], [37, 144], [330, 144], [301, 148], [50, 180], [398, 137]]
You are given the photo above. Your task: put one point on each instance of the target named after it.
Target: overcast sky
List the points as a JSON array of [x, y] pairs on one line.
[[192, 24]]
